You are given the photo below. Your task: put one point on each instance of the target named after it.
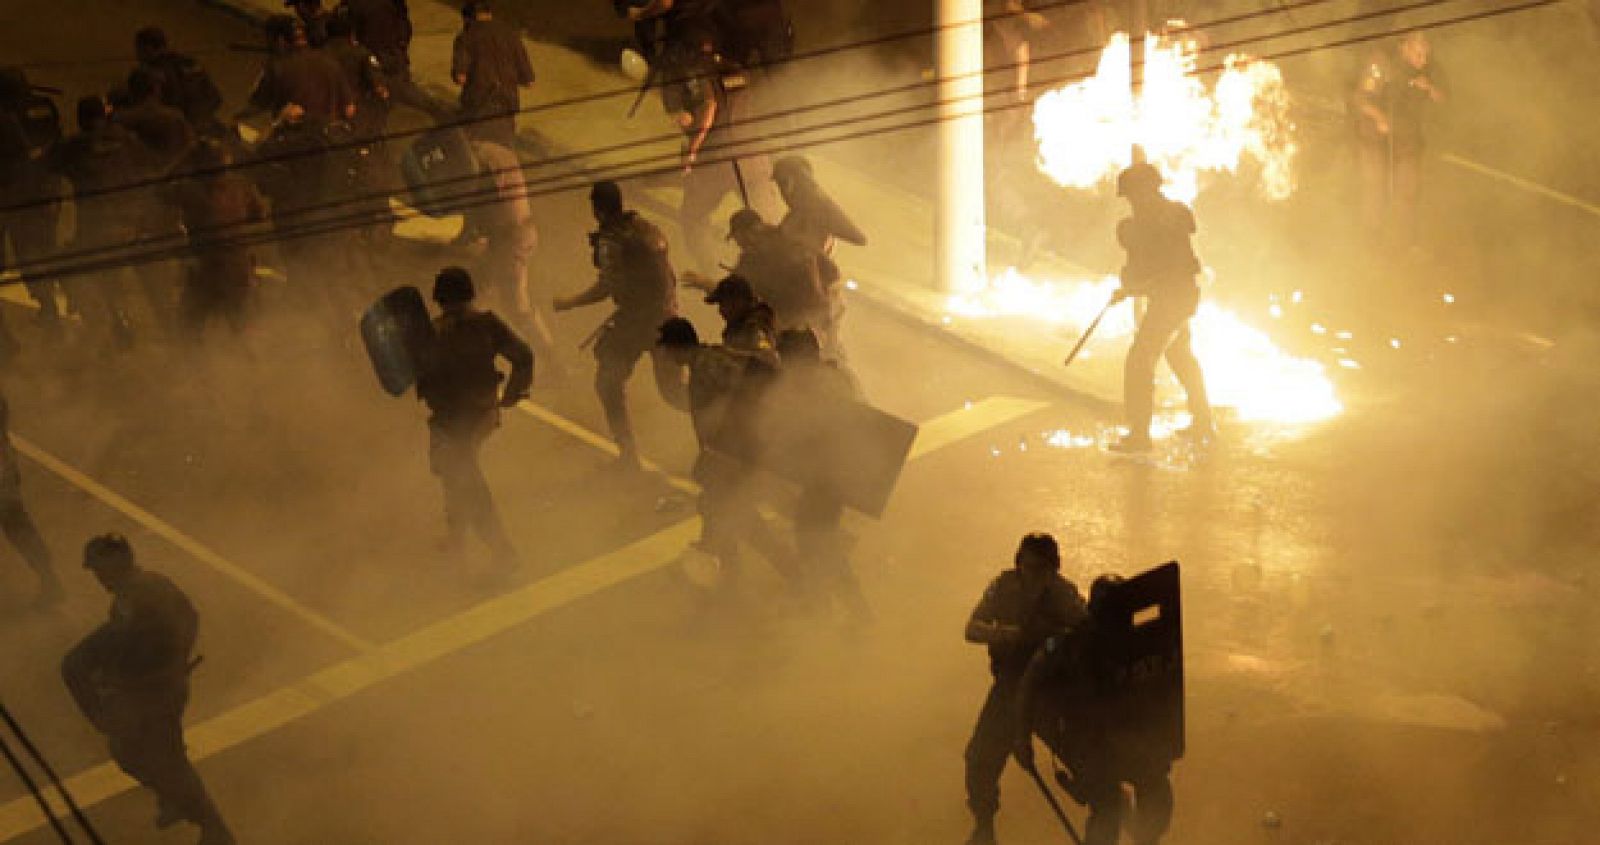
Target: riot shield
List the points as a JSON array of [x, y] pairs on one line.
[[439, 169], [831, 441], [1142, 645], [397, 332]]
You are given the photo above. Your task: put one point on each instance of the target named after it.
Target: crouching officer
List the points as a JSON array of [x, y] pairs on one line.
[[130, 677], [461, 387], [1075, 695], [1022, 608]]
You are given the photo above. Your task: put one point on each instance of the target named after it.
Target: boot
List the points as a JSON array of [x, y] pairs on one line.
[[982, 831]]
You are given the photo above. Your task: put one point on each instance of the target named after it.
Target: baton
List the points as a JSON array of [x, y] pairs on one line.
[[1044, 789], [738, 175], [1073, 355]]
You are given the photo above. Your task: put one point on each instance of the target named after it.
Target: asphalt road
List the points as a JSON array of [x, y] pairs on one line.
[[1390, 618]]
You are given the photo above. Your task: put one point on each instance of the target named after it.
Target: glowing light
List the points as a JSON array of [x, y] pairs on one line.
[[1318, 328], [1276, 311], [1296, 297], [1087, 130], [1394, 343], [1449, 299], [1344, 335], [1244, 369]]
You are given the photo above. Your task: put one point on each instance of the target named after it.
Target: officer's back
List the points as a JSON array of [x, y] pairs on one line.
[[460, 377], [156, 627], [632, 254]]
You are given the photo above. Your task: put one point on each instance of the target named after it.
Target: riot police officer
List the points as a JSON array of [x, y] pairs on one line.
[[1068, 696], [1021, 608], [816, 222], [636, 275], [461, 387], [1161, 268], [15, 521], [183, 84], [299, 75], [215, 205], [718, 385], [29, 124], [130, 678], [490, 63]]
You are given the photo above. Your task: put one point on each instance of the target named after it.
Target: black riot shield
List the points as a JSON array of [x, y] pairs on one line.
[[440, 170], [1143, 648], [397, 332], [831, 441]]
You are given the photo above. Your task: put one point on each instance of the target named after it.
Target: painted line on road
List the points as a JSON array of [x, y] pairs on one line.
[[441, 639], [193, 547], [598, 441], [1524, 184]]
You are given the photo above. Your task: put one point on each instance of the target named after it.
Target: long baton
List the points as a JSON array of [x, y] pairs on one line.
[[55, 780], [738, 175], [1073, 355], [1050, 797]]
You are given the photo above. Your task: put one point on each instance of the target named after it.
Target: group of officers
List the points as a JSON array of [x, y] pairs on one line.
[[780, 306], [163, 184]]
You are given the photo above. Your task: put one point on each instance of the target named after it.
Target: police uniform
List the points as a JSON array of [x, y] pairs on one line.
[[1068, 699], [461, 388], [308, 78], [14, 519], [220, 281], [1039, 608], [188, 88], [1162, 266], [490, 57], [366, 80], [99, 163], [784, 274], [384, 27], [24, 182], [1391, 163], [130, 677], [724, 384], [815, 221], [702, 84], [631, 256]]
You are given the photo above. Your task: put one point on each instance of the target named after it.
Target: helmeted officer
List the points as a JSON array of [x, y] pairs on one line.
[[130, 678], [630, 254], [1022, 608], [1161, 268], [461, 386]]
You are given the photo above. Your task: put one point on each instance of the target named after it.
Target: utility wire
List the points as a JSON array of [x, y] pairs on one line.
[[569, 182], [180, 238]]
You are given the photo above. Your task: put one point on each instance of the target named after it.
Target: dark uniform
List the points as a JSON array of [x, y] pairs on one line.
[[782, 272], [99, 162], [384, 27], [462, 390], [28, 125], [1068, 698], [816, 222], [1038, 607], [1161, 267], [14, 519], [708, 99], [1391, 103], [723, 385], [215, 208], [188, 88], [491, 64], [367, 82], [819, 511], [130, 678], [308, 78], [167, 139], [635, 274]]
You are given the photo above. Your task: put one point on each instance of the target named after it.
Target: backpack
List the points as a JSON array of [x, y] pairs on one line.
[[187, 87]]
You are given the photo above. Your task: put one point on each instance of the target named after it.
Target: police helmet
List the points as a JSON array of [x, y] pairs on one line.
[[744, 218], [733, 288], [453, 284], [107, 552], [150, 41], [1141, 178], [606, 196], [1041, 547], [678, 332], [792, 168]]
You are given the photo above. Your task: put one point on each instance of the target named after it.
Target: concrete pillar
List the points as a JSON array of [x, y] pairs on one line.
[[960, 259]]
